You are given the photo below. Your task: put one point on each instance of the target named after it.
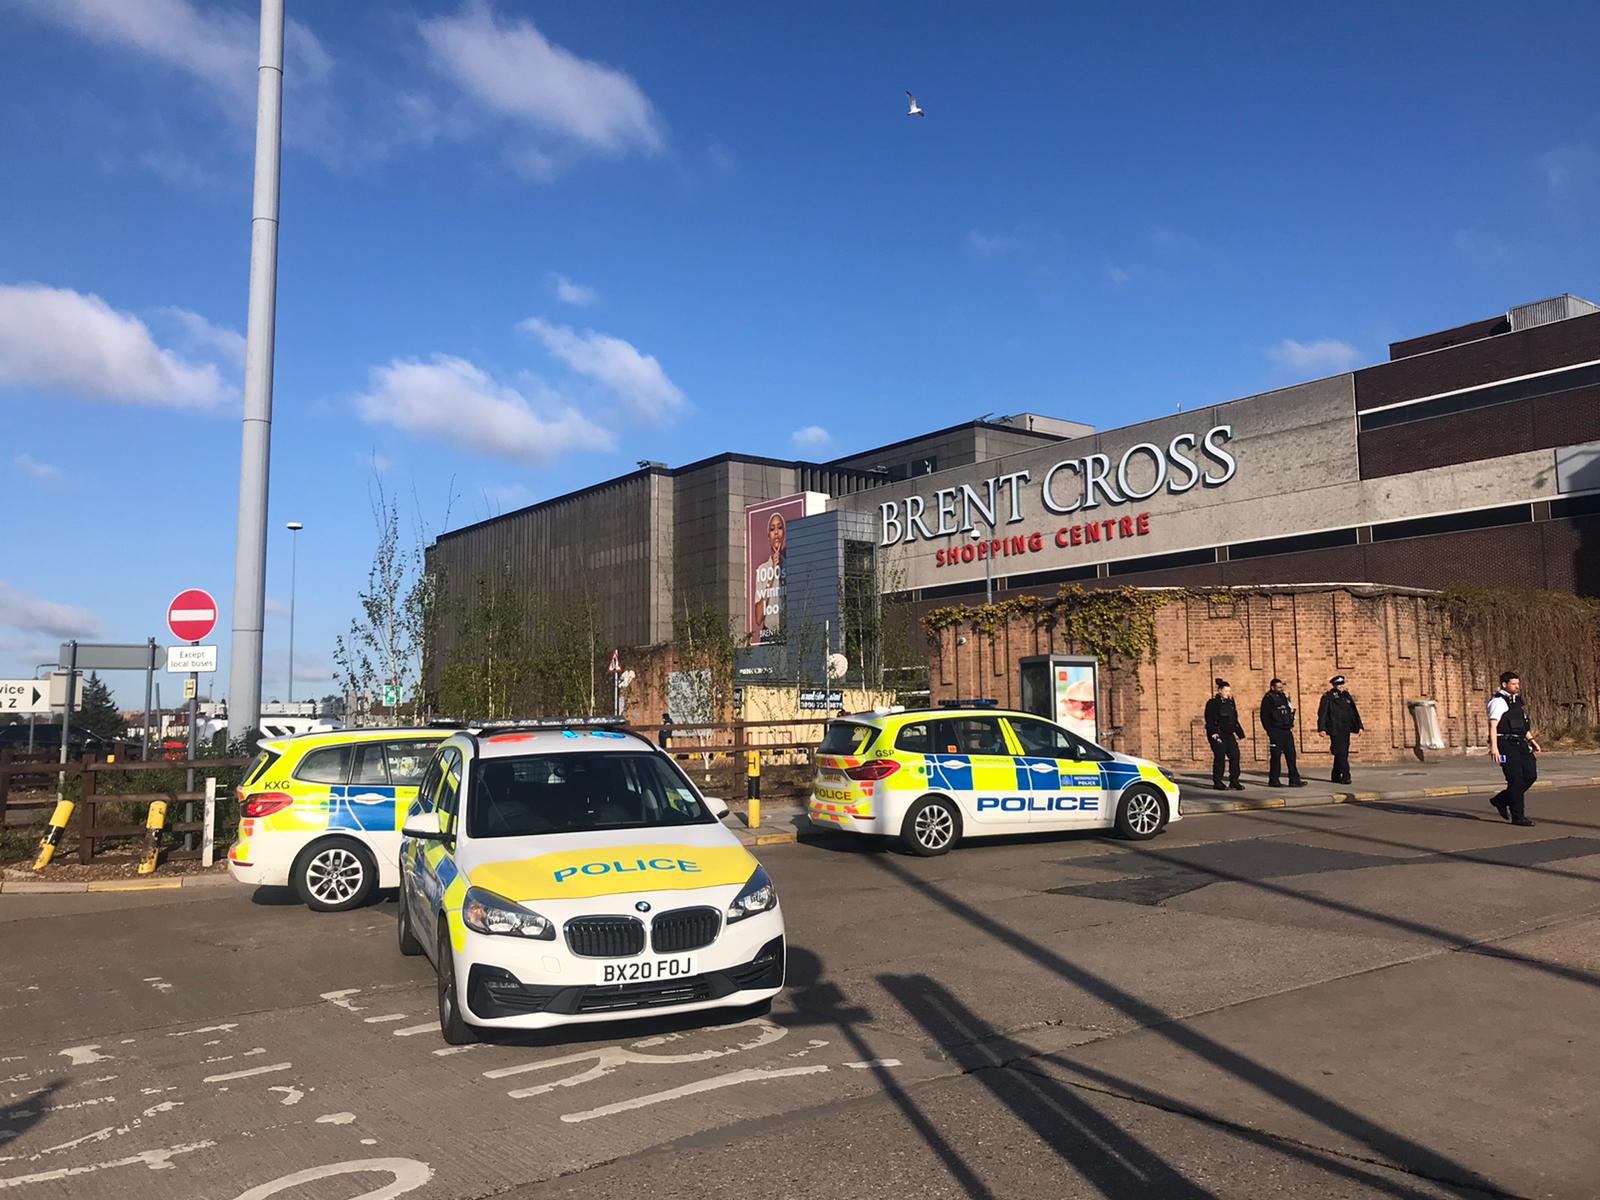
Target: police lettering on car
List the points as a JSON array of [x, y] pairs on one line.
[[933, 777]]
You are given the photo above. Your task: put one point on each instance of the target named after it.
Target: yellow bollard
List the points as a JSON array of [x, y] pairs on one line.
[[152, 836], [752, 785], [52, 837]]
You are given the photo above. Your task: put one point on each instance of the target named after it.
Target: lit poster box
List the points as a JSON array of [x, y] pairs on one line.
[[1065, 689]]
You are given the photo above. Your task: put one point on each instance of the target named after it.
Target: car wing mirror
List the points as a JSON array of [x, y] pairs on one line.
[[719, 808], [424, 827]]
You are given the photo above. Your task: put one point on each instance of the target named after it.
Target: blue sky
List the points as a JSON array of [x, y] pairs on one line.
[[524, 245]]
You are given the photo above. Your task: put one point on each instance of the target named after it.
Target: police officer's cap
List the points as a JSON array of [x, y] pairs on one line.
[[1337, 681]]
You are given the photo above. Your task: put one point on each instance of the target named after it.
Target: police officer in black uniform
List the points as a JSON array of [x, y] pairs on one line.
[[1224, 731], [1512, 745], [1337, 717], [1277, 718]]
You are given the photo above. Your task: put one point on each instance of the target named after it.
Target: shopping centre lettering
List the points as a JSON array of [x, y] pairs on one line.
[[1072, 485]]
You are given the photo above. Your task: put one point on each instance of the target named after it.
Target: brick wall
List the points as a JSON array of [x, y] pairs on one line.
[[1386, 642]]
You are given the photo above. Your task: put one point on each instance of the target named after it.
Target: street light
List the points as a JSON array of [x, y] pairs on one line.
[[988, 570], [294, 528]]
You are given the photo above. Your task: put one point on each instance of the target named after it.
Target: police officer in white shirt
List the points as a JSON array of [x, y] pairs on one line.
[[1512, 745]]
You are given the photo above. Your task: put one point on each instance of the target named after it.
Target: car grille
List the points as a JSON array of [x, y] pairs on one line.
[[684, 929], [605, 937], [644, 995]]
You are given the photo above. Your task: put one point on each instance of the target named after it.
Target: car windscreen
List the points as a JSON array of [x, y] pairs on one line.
[[578, 793], [846, 737]]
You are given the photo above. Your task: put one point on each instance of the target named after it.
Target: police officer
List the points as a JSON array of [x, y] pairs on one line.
[[1512, 745], [1224, 731], [1277, 718], [1338, 718]]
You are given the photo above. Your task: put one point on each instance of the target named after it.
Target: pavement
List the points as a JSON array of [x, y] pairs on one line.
[[1392, 998]]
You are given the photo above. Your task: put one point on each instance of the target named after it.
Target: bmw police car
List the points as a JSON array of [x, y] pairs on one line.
[[934, 777], [322, 812], [574, 873]]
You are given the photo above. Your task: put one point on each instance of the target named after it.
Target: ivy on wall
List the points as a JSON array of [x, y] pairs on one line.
[[1108, 623], [1551, 639]]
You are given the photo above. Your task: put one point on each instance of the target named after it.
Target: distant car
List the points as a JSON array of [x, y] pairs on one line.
[[935, 777], [321, 812], [570, 874], [48, 737]]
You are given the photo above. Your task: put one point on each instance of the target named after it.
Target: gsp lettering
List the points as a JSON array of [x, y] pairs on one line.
[[621, 868], [1038, 803]]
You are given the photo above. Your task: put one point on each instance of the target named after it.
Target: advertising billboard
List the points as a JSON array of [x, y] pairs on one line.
[[1065, 689], [765, 555]]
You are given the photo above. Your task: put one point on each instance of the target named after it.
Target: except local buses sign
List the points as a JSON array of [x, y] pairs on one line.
[[1073, 485]]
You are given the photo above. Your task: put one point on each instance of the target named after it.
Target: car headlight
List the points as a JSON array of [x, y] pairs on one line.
[[484, 912], [757, 896]]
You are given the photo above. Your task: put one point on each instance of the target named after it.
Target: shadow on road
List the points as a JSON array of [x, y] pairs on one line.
[[1387, 1144], [29, 1113]]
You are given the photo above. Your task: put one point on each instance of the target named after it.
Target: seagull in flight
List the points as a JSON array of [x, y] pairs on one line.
[[916, 109]]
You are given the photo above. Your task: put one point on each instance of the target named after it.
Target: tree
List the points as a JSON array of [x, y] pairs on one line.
[[387, 643], [100, 715]]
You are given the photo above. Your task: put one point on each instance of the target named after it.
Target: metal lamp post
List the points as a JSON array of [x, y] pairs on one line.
[[294, 528], [988, 570]]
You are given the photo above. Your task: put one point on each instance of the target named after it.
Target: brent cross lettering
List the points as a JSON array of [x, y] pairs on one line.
[[1071, 485]]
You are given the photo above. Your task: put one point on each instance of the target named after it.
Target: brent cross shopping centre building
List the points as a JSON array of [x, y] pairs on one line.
[[1471, 457]]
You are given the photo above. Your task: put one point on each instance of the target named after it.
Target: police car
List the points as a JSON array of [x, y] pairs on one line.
[[573, 873], [934, 777], [321, 812]]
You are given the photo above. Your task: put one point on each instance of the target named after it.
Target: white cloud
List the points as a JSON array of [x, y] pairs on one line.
[[46, 472], [34, 614], [613, 363], [1571, 169], [276, 608], [993, 245], [573, 293], [514, 71], [218, 45], [811, 437], [1478, 245], [65, 341], [205, 338], [1119, 276], [1325, 356], [507, 497], [453, 400]]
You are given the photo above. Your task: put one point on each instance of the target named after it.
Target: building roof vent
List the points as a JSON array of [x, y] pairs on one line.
[[1546, 312]]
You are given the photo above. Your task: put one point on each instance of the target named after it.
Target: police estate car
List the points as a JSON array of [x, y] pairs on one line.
[[936, 776], [322, 812], [574, 873]]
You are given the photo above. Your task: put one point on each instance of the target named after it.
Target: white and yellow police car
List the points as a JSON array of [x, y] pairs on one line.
[[934, 777], [321, 812], [571, 873]]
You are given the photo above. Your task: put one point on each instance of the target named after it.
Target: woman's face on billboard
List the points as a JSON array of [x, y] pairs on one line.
[[776, 534]]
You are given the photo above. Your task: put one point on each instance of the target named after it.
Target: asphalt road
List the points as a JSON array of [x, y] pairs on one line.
[[1328, 1002]]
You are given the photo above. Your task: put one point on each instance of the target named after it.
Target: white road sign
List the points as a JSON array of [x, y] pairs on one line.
[[181, 659], [24, 696]]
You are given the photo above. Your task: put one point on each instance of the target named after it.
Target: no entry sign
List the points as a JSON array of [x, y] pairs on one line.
[[192, 615]]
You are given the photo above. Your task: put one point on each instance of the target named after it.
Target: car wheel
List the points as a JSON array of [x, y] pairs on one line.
[[453, 1026], [932, 827], [409, 946], [1141, 814], [335, 874]]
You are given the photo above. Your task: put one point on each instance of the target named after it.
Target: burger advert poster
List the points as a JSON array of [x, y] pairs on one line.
[[1075, 700]]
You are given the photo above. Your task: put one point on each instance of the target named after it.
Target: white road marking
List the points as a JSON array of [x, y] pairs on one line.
[[413, 1030], [156, 1160], [715, 1083], [99, 1135], [386, 1017], [82, 1056], [341, 999], [217, 1059], [254, 1052], [873, 1062], [164, 1106], [369, 1141], [229, 1028], [409, 1174], [336, 1119], [247, 1074], [160, 984], [444, 1050], [291, 1095]]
